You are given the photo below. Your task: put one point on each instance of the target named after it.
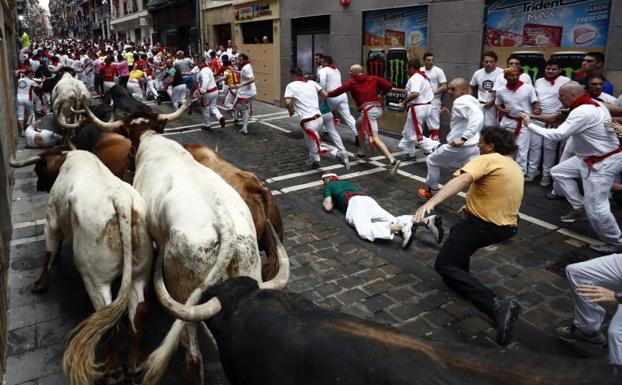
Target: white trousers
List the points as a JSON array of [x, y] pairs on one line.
[[229, 99], [24, 108], [522, 142], [108, 85], [447, 156], [340, 104], [409, 142], [370, 220], [490, 116], [151, 88], [134, 88], [41, 138], [312, 138], [596, 185], [242, 105], [209, 106], [178, 96], [329, 126], [606, 272]]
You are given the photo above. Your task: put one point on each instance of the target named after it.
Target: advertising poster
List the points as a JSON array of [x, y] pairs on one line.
[[541, 28], [390, 38]]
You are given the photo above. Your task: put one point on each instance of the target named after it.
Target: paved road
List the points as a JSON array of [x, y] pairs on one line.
[[331, 265]]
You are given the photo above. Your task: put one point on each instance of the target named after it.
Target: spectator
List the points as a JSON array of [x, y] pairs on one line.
[[592, 65]]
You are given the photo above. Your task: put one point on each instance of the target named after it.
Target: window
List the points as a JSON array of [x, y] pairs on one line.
[[255, 31]]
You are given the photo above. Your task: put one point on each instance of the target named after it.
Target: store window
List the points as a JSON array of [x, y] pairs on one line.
[[538, 31], [257, 32]]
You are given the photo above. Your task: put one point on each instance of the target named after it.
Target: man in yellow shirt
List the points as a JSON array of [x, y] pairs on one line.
[[490, 216]]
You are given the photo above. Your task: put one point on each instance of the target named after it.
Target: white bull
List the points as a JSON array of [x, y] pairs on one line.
[[105, 219], [68, 93]]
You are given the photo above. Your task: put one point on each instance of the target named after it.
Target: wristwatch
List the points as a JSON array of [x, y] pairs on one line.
[[619, 297]]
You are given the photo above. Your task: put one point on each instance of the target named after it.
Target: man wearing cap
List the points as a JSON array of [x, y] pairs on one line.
[[371, 221], [301, 96]]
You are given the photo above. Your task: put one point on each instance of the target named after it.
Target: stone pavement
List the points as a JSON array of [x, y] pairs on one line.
[[331, 265]]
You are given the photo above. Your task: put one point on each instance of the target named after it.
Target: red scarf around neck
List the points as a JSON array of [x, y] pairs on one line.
[[515, 86], [300, 79], [552, 80], [583, 99], [330, 66], [422, 73]]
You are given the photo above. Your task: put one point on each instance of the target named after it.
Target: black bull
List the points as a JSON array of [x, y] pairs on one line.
[[280, 338], [123, 102]]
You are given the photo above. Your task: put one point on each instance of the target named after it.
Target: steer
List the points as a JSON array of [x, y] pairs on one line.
[[123, 101], [105, 219], [255, 193], [68, 94], [281, 338], [203, 229]]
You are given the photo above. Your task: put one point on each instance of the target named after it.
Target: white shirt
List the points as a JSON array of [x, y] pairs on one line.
[[604, 97], [548, 94], [437, 77], [417, 83], [25, 87], [620, 101], [467, 120], [585, 124], [517, 102], [304, 96], [329, 78], [501, 81], [485, 83], [34, 64], [206, 80], [249, 90]]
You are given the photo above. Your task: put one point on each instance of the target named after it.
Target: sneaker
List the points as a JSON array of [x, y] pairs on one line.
[[356, 140], [360, 156], [606, 248], [530, 177], [506, 312], [573, 334], [206, 127], [243, 131], [345, 160], [394, 166], [435, 226], [408, 233], [552, 196], [315, 165], [324, 135], [222, 122], [424, 193], [409, 157], [545, 181], [574, 216]]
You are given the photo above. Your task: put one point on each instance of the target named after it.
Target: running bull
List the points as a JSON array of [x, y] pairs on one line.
[[105, 219], [68, 95], [255, 193], [280, 338], [204, 231]]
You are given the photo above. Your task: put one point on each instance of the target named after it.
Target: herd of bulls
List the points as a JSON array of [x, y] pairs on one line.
[[124, 190]]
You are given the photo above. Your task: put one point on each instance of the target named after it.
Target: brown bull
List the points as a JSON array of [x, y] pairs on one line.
[[256, 195]]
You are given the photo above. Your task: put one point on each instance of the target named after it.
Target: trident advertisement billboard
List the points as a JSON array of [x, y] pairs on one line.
[[546, 28]]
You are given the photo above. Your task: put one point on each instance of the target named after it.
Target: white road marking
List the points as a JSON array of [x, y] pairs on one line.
[[274, 126], [275, 118], [22, 225]]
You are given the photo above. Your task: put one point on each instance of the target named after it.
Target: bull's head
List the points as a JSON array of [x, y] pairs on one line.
[[213, 306], [47, 167]]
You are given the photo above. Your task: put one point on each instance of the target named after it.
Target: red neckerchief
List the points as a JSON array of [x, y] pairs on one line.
[[515, 86], [552, 80], [583, 99], [300, 79], [422, 73], [330, 66]]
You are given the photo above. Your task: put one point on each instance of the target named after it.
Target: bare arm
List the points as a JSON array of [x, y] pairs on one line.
[[441, 88], [328, 204], [453, 187], [289, 104]]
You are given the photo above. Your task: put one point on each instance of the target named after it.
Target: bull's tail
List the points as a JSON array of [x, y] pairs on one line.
[[157, 362], [79, 359]]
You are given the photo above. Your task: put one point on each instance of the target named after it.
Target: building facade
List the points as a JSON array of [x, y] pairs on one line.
[[216, 22], [130, 20], [175, 23]]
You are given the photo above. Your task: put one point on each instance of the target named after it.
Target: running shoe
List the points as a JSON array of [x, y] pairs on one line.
[[573, 334], [394, 166]]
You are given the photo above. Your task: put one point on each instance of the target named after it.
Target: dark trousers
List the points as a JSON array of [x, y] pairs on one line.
[[454, 258], [99, 83], [123, 81]]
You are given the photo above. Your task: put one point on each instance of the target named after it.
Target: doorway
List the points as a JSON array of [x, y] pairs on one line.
[[222, 33], [311, 36]]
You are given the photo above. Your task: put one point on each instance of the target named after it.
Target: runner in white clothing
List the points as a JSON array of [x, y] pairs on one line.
[[439, 86], [467, 121], [246, 91], [482, 85], [512, 100], [301, 97], [419, 102], [25, 105], [330, 79], [547, 90], [512, 61], [597, 161], [209, 98]]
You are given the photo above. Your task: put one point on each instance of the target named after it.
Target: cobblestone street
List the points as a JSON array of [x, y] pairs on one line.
[[331, 265]]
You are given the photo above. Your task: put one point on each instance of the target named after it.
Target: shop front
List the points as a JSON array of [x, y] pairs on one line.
[[175, 24], [257, 34], [217, 23]]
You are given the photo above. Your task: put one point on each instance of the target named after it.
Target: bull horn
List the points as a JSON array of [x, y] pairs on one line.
[[175, 115], [178, 310], [282, 276], [104, 126], [217, 149], [60, 118], [23, 163], [77, 111]]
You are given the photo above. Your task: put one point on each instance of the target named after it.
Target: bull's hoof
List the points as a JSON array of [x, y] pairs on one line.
[[38, 288]]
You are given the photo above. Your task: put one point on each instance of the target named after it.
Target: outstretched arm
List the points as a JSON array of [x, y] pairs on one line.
[[328, 204], [453, 187]]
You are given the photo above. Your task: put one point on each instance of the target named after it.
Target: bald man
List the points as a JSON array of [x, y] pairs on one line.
[[364, 89], [467, 121], [597, 160]]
